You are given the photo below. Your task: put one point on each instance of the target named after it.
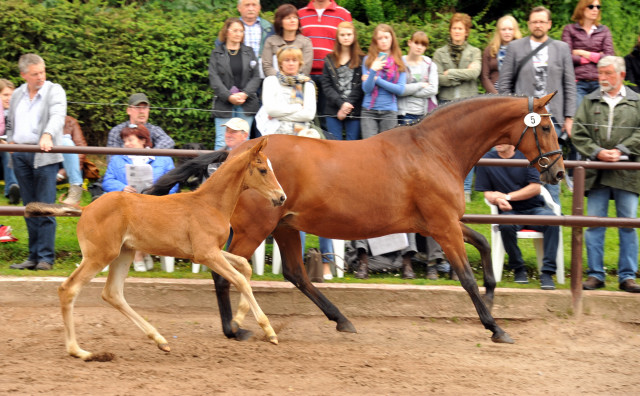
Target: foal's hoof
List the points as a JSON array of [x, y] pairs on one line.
[[502, 338], [242, 334], [164, 347], [274, 340], [346, 327]]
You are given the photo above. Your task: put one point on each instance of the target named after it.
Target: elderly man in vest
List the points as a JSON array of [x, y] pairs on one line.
[[607, 129]]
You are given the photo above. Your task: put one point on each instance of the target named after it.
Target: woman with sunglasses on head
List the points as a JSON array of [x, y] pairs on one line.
[[234, 75], [589, 41]]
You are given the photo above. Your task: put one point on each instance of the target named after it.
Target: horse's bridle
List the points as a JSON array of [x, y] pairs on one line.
[[543, 159]]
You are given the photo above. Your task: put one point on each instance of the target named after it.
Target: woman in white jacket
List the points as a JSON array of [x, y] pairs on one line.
[[419, 96], [289, 98]]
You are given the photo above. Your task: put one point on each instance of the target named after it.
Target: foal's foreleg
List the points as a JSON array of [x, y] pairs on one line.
[[114, 295], [220, 265], [242, 266]]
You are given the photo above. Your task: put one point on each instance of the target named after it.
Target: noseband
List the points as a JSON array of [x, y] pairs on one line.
[[542, 159]]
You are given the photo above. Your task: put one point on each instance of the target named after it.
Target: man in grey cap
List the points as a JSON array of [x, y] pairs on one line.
[[138, 111], [236, 133]]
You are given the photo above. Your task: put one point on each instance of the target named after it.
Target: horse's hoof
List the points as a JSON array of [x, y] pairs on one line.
[[100, 357], [274, 340], [502, 338], [346, 327], [164, 347], [242, 334]]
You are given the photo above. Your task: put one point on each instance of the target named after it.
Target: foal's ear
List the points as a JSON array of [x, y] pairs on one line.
[[545, 99], [260, 145]]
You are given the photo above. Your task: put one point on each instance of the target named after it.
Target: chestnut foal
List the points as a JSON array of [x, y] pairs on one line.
[[192, 225]]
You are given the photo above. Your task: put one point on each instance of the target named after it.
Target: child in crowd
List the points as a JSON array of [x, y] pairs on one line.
[[341, 82], [419, 96], [383, 80]]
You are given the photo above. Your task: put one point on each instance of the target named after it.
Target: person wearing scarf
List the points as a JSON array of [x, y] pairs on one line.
[[289, 97], [459, 66], [384, 77]]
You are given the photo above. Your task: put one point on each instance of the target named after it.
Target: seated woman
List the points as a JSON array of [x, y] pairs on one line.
[[115, 178], [289, 97]]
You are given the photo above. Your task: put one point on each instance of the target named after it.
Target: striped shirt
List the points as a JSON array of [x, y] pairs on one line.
[[253, 36], [320, 26]]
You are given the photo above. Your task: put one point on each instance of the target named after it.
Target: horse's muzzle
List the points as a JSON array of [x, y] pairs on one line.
[[552, 177], [279, 199]]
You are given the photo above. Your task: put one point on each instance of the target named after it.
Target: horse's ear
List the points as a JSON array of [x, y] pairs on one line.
[[261, 145], [545, 99]]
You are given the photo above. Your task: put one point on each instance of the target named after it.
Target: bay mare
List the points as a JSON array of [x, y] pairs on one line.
[[193, 225], [408, 179]]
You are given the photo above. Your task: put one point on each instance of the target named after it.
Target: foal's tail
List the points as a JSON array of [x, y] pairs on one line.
[[39, 209], [196, 167]]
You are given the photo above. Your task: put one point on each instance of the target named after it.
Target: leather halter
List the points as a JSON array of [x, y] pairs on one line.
[[543, 159]]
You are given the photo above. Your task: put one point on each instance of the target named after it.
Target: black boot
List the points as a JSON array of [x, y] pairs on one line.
[[407, 269], [363, 269]]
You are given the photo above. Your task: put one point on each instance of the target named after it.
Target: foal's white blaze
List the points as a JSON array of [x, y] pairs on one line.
[[271, 167]]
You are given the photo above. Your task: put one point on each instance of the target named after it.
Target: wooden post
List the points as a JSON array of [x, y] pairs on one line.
[[576, 240]]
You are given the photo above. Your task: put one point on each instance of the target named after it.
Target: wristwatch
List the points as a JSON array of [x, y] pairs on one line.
[[507, 197]]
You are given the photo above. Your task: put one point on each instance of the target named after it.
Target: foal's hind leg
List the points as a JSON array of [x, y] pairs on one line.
[[113, 294], [67, 292]]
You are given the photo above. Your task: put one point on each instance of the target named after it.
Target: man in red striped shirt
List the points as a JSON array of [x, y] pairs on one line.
[[319, 21]]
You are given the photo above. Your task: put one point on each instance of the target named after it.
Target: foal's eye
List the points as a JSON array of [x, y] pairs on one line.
[[263, 172]]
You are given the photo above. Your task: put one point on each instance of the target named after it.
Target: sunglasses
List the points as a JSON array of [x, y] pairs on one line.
[[592, 6]]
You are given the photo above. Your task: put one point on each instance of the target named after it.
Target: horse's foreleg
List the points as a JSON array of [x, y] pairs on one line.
[[242, 266], [67, 292], [480, 242], [114, 295], [453, 246], [219, 264], [293, 270]]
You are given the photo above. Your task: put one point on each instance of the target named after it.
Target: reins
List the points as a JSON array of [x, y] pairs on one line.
[[542, 159]]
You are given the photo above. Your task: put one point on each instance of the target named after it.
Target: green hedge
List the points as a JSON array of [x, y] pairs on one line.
[[101, 51]]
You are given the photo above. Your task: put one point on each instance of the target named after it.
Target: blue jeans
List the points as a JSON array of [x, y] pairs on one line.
[[349, 125], [468, 180], [375, 121], [9, 175], [237, 111], [584, 88], [71, 162], [38, 185], [626, 206], [510, 239], [326, 247], [407, 119]]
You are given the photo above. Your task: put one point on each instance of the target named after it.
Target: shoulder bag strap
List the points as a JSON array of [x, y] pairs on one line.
[[526, 59]]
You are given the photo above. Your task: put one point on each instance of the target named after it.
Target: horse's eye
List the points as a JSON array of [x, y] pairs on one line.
[[263, 172], [546, 128]]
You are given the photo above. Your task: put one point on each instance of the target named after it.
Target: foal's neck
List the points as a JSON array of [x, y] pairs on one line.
[[223, 188]]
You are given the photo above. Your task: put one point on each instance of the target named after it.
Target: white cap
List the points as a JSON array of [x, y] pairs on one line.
[[237, 124]]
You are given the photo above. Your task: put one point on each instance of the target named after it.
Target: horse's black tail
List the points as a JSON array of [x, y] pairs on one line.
[[196, 167]]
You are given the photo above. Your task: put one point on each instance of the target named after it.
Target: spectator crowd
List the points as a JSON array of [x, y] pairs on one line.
[[306, 75]]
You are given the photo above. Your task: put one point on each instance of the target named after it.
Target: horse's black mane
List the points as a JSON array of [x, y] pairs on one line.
[[194, 167], [456, 101]]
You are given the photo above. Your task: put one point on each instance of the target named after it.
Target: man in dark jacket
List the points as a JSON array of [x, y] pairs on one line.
[[607, 128]]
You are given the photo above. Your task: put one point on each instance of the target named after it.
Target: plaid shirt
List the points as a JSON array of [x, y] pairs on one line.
[[253, 36], [159, 137]]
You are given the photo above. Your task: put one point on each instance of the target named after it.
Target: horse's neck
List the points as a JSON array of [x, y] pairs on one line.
[[467, 132], [223, 188]]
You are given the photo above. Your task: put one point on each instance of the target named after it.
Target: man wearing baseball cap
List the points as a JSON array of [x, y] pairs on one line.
[[236, 133], [138, 111]]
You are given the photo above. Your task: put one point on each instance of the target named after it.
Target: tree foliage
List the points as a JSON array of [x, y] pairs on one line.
[[101, 51]]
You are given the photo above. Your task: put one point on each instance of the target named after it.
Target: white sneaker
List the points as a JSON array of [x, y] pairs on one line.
[[148, 261], [139, 266], [327, 276]]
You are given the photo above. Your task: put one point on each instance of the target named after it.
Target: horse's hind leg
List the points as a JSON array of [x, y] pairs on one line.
[[67, 292], [242, 266], [114, 295], [480, 242], [293, 270]]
